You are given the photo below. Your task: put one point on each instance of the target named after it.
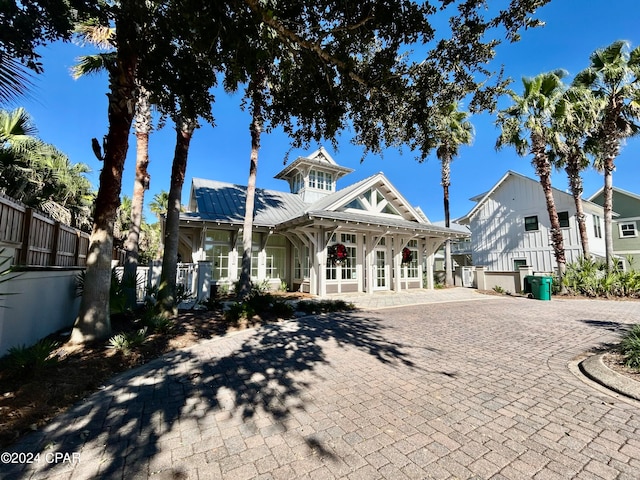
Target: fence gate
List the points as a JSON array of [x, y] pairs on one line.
[[467, 277]]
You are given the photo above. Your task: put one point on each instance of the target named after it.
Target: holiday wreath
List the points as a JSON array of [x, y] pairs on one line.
[[407, 255], [337, 253]]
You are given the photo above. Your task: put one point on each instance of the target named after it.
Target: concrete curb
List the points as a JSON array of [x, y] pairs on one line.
[[594, 368]]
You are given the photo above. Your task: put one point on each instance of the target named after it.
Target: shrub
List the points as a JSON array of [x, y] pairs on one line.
[[281, 309], [630, 347], [125, 342], [27, 360], [323, 306], [498, 289], [158, 323], [238, 311], [591, 278]]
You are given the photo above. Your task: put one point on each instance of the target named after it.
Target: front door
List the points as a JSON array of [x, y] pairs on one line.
[[380, 270]]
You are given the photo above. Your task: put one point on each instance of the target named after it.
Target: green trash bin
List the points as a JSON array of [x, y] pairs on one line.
[[527, 284], [544, 291], [540, 287], [534, 283]]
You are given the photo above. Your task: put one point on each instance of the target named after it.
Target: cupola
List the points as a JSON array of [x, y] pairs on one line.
[[313, 177]]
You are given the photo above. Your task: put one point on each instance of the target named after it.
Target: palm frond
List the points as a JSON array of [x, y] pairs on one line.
[[15, 80], [92, 64]]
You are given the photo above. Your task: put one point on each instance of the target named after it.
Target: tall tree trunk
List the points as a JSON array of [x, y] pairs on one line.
[[93, 322], [608, 211], [140, 184], [446, 181], [256, 86], [575, 184], [167, 293], [543, 170]]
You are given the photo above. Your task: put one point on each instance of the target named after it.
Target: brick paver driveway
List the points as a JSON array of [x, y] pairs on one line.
[[449, 390]]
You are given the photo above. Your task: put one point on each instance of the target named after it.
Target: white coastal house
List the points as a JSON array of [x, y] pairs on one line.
[[510, 226], [318, 239]]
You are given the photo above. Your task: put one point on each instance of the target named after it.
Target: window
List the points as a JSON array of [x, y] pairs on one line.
[[301, 269], [255, 249], [628, 230], [597, 229], [312, 179], [320, 178], [298, 183], [349, 265], [531, 223], [331, 270], [519, 263], [564, 219], [216, 248], [412, 266], [275, 262]]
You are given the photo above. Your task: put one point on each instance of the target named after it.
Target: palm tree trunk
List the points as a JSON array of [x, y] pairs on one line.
[[543, 170], [575, 184], [256, 86], [93, 322], [167, 292], [446, 181], [608, 211], [141, 183]]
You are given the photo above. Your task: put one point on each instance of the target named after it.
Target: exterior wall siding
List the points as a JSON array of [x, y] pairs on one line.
[[498, 231]]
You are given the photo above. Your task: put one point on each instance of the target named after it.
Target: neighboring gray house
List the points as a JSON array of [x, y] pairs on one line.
[[294, 232], [510, 226], [626, 225]]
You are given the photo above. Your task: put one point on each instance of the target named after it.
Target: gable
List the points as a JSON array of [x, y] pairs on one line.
[[372, 201], [373, 196], [322, 156], [625, 204], [515, 192]]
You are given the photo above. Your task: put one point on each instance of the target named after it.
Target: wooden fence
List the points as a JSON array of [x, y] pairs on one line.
[[40, 240]]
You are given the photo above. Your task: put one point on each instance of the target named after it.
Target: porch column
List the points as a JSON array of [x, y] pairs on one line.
[[321, 262], [432, 245], [397, 263], [368, 264]]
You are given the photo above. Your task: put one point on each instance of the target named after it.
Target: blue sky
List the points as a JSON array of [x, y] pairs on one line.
[[68, 113]]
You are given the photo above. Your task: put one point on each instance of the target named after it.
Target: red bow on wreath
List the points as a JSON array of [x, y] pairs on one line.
[[407, 255]]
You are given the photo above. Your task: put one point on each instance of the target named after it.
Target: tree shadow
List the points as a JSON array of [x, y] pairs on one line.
[[252, 381], [607, 325]]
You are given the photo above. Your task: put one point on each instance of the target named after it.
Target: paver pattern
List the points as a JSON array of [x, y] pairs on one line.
[[467, 390]]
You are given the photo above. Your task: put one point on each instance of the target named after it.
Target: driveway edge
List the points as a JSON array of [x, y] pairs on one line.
[[595, 368]]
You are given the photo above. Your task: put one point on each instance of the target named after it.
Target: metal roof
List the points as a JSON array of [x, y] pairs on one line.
[[225, 203], [384, 222]]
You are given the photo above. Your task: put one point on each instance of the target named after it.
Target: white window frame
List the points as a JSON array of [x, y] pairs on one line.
[[597, 226], [633, 229]]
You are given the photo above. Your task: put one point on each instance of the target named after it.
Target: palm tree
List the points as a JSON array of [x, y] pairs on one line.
[[37, 173], [573, 122], [614, 77], [256, 91], [159, 204], [102, 37], [526, 125], [185, 127], [453, 130]]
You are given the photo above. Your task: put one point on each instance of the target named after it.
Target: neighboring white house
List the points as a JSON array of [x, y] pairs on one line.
[[369, 224], [510, 226]]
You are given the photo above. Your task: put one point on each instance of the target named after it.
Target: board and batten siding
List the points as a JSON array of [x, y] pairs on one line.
[[498, 231]]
